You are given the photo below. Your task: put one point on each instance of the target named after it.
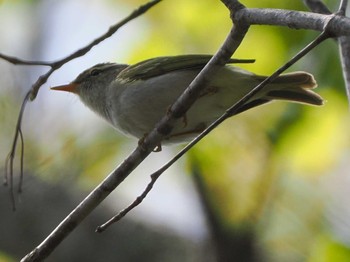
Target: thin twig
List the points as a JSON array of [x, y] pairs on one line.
[[344, 48], [82, 51], [140, 198], [230, 112], [18, 61], [9, 180], [343, 41], [342, 7], [11, 156], [20, 183]]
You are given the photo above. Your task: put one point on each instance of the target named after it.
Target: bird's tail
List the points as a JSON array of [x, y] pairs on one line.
[[295, 87]]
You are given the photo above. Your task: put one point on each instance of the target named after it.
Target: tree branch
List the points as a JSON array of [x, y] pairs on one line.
[[17, 61], [342, 7], [11, 156], [242, 18], [143, 150], [317, 6], [229, 112], [343, 42], [297, 20], [344, 48]]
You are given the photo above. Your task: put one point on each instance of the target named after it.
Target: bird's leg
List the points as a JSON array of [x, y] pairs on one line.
[[158, 147]]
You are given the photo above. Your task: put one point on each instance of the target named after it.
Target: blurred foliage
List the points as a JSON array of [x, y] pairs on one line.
[[262, 170], [326, 249], [4, 257]]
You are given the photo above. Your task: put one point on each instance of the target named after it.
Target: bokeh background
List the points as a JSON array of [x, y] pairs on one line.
[[271, 184]]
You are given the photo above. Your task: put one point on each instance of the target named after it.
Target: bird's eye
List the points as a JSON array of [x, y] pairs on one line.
[[95, 72]]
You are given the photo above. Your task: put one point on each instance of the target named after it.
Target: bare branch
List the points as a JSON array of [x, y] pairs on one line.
[[344, 46], [20, 183], [18, 61], [342, 7], [140, 198], [143, 150], [242, 18], [297, 20], [82, 51], [233, 6], [229, 112], [11, 156], [344, 41]]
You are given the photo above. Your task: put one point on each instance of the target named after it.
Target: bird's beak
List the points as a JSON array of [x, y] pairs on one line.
[[72, 87]]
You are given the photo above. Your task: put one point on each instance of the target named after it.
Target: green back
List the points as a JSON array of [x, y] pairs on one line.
[[162, 65]]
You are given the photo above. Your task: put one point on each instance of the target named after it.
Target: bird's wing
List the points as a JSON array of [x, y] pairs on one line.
[[162, 65]]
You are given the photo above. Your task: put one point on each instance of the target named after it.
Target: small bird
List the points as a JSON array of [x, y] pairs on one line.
[[133, 98]]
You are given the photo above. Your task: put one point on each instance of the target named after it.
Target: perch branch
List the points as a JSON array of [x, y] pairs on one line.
[[243, 18], [231, 111], [142, 151]]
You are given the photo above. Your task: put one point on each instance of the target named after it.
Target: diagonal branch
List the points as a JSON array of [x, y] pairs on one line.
[[229, 112], [293, 19], [242, 18], [143, 150], [343, 41]]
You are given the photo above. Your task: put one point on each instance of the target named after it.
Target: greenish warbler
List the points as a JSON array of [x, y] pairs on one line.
[[133, 98]]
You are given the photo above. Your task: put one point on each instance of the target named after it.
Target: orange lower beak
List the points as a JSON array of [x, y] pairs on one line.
[[72, 87]]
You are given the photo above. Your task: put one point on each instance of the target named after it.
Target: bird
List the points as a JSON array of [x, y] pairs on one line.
[[133, 98]]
